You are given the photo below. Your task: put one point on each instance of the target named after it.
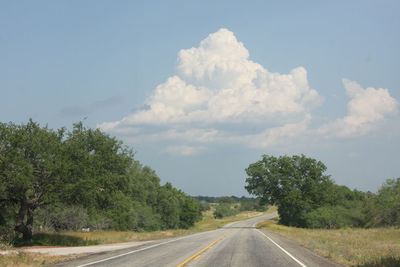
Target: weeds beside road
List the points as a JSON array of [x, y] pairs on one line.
[[23, 259], [350, 247]]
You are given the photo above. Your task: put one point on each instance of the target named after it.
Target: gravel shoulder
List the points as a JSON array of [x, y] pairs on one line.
[[84, 249]]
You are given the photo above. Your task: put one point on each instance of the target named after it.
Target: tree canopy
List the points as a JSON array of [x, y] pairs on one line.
[[307, 197], [64, 180], [295, 184]]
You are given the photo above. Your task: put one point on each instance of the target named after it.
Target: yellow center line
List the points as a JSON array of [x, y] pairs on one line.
[[197, 254]]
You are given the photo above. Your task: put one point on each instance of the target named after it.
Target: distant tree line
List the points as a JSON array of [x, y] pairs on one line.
[[230, 205], [66, 180], [307, 197]]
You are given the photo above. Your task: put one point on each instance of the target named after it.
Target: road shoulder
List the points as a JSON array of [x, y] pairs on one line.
[[85, 249], [306, 256]]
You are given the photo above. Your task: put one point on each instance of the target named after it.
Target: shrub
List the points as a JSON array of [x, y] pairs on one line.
[[332, 217], [60, 218], [386, 207], [224, 210]]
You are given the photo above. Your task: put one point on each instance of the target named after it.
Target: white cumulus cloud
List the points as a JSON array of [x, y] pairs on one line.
[[217, 82], [365, 110], [217, 91]]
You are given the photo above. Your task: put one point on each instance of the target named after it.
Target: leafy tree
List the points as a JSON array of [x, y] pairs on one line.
[[97, 168], [168, 206], [385, 207], [190, 211], [148, 219], [60, 217], [81, 178], [296, 184], [30, 170], [223, 210]]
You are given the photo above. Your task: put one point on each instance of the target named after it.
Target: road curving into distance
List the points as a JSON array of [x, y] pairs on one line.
[[236, 244]]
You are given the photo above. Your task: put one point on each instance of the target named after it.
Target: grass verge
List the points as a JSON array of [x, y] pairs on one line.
[[350, 247], [22, 259]]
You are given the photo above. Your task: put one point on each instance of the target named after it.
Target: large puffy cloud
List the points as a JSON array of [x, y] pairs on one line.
[[217, 88], [219, 62], [217, 82], [366, 108]]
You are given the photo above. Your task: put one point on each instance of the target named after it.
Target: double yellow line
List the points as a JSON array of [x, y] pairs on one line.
[[197, 254]]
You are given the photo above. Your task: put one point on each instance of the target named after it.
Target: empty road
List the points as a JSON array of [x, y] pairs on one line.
[[237, 244]]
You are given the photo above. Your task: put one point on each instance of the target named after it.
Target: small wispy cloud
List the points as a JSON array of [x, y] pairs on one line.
[[184, 150]]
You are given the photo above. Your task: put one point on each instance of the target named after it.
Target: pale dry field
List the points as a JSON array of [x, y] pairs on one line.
[[350, 247]]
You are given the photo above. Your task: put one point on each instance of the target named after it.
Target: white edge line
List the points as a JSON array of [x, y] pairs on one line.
[[290, 255], [138, 250]]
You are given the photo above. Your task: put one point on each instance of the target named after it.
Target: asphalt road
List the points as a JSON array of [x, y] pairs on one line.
[[237, 244]]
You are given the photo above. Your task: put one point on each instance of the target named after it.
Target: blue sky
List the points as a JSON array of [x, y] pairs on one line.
[[202, 89]]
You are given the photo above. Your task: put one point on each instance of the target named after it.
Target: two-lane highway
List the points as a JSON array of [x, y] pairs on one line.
[[237, 244]]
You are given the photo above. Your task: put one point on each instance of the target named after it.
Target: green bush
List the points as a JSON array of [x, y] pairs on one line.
[[204, 206], [61, 218], [190, 212], [385, 207], [148, 220], [223, 210]]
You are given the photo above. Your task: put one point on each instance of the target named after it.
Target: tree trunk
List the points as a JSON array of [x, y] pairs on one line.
[[25, 228]]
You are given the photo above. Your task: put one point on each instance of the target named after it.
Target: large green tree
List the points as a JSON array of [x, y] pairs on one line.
[[97, 168], [82, 174], [30, 170], [296, 184]]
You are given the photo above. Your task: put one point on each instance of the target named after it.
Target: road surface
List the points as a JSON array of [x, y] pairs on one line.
[[236, 244]]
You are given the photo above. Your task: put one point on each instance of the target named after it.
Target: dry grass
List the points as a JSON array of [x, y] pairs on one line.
[[22, 259], [350, 247]]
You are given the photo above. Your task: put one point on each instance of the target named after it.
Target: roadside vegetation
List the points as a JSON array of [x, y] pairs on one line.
[[81, 238], [307, 197], [351, 227], [208, 222], [53, 181], [374, 247], [230, 206], [22, 259]]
